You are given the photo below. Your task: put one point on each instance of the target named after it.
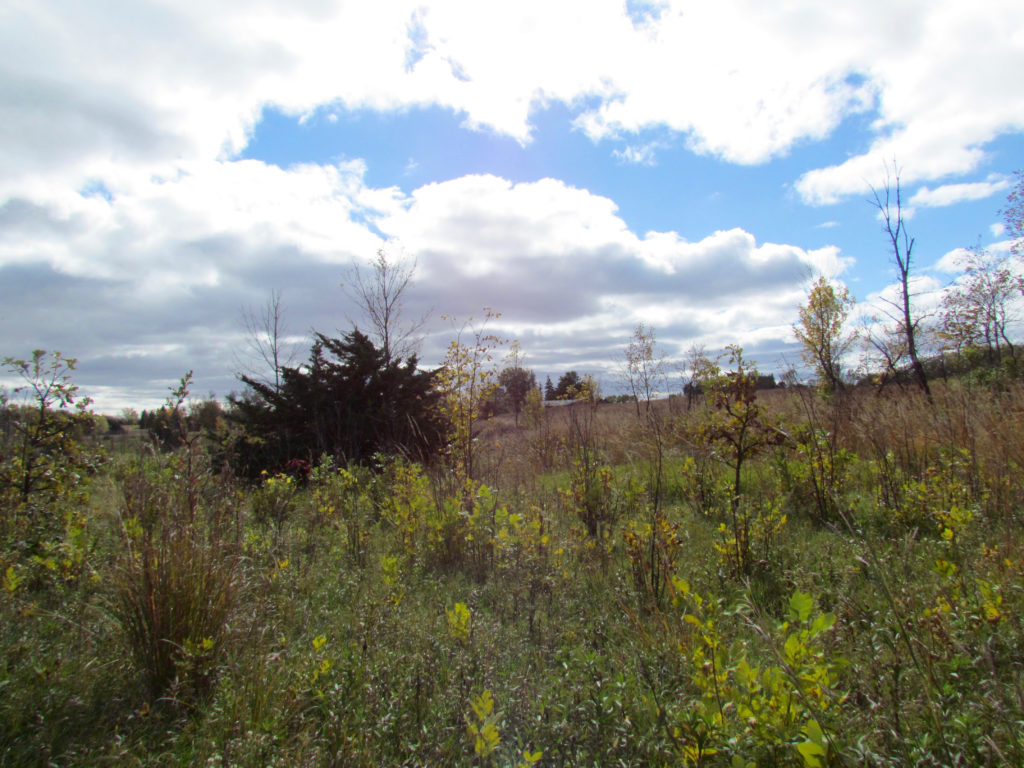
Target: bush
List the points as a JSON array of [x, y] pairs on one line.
[[43, 463]]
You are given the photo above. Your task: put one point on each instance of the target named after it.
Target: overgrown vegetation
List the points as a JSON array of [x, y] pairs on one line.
[[354, 565], [796, 578]]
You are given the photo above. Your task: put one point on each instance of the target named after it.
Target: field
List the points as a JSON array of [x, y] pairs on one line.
[[787, 580]]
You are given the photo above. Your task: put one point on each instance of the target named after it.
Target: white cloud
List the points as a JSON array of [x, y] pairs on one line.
[[148, 105], [150, 283], [564, 266], [90, 95], [956, 261], [940, 74], [950, 194], [638, 155], [953, 262]]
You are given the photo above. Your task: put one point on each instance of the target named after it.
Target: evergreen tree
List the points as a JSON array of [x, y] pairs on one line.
[[349, 401], [568, 384]]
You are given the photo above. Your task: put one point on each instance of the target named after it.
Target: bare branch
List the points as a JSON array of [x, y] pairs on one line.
[[379, 293], [889, 203], [265, 342]]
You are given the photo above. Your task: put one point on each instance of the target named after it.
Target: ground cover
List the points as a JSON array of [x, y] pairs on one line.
[[602, 591]]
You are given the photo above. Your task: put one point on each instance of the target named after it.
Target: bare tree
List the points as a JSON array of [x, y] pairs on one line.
[[379, 293], [889, 203], [266, 342], [883, 347]]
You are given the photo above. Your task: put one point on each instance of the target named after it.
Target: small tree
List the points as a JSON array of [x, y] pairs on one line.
[[41, 457], [589, 495], [517, 383], [347, 401], [44, 426], [821, 332], [568, 387], [978, 310], [645, 371], [738, 427], [889, 203], [266, 341], [466, 379], [698, 369]]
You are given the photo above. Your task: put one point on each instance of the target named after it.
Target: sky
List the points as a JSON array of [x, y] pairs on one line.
[[580, 167]]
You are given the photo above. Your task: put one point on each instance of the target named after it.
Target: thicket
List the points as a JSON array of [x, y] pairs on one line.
[[760, 578]]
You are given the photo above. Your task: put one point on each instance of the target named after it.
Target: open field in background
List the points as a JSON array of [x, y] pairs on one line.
[[598, 595]]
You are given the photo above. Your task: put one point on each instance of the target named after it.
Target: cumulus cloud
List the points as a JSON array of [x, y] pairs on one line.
[[130, 233], [572, 276], [953, 262], [939, 99], [143, 85], [950, 194], [150, 283]]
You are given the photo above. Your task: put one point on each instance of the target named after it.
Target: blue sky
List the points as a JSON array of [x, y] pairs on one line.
[[580, 167], [675, 190]]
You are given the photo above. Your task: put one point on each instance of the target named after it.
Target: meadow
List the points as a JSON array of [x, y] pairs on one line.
[[758, 579]]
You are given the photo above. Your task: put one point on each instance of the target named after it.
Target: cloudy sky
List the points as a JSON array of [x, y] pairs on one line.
[[580, 166]]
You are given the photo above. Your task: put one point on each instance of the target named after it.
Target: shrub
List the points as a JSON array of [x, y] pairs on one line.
[[43, 463]]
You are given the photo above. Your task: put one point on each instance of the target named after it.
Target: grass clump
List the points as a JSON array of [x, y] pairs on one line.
[[176, 575]]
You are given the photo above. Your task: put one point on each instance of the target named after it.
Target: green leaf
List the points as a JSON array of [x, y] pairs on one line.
[[814, 755], [815, 750], [792, 648], [800, 606], [483, 705], [823, 622]]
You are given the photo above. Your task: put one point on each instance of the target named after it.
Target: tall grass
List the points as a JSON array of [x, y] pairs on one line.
[[357, 619], [176, 576]]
